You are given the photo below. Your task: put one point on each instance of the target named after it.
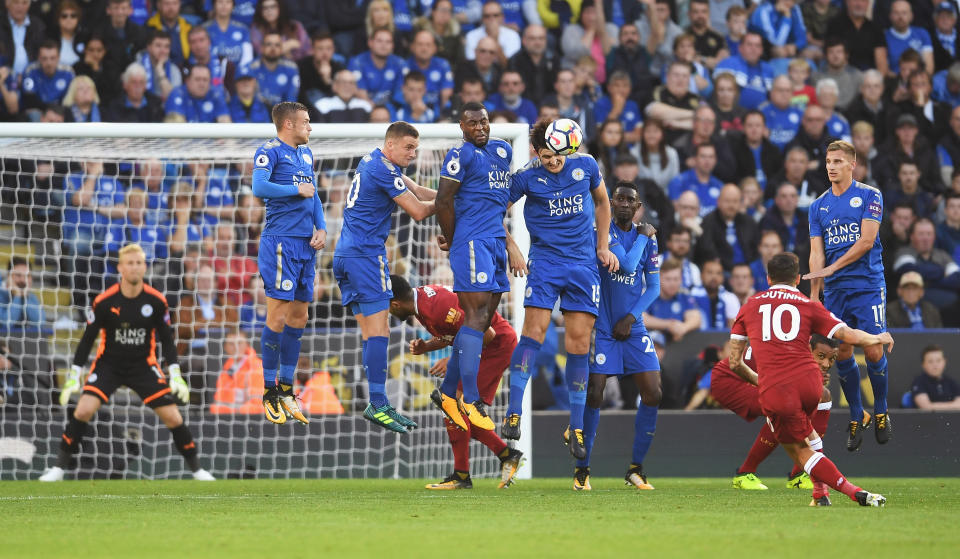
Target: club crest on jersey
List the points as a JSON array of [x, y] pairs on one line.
[[146, 310], [92, 378], [675, 307], [502, 152], [482, 277], [528, 292], [453, 166], [262, 160], [577, 174], [286, 285], [307, 159], [90, 316], [856, 202], [601, 358]]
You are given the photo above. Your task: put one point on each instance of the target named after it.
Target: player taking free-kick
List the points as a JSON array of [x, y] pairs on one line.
[[129, 318], [360, 263], [846, 261], [437, 309], [778, 324], [294, 231]]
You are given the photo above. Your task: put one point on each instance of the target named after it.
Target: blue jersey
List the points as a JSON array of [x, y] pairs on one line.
[[141, 12], [915, 38], [620, 291], [559, 211], [439, 77], [525, 110], [782, 123], [707, 192], [242, 10], [232, 43], [380, 83], [405, 113], [630, 116], [674, 307], [484, 177], [50, 89], [277, 85], [204, 109], [778, 29], [108, 192], [256, 112], [152, 238], [837, 220], [513, 13], [289, 216], [754, 81], [369, 206], [838, 127]]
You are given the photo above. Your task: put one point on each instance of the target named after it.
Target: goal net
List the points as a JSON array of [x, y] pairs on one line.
[[72, 195]]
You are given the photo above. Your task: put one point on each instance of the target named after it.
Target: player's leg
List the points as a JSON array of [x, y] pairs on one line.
[[493, 362], [460, 444], [822, 468], [73, 432], [591, 418], [523, 362], [274, 262], [450, 406], [303, 270], [743, 399], [478, 308], [820, 420], [848, 371], [579, 326], [645, 424], [182, 439], [877, 370]]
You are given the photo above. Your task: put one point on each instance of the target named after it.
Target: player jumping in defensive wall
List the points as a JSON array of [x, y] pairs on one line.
[[129, 318]]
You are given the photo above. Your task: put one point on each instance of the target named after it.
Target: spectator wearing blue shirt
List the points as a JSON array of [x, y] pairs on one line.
[[827, 95], [91, 198], [134, 228], [674, 313], [19, 306], [221, 69], [783, 118], [907, 189], [901, 36], [780, 23], [770, 246], [195, 101], [437, 70], [278, 78], [684, 50], [246, 105], [509, 97], [414, 109], [253, 311], [736, 25], [44, 82], [699, 179], [755, 155], [229, 35], [946, 86], [718, 306], [910, 311], [241, 10], [754, 76], [728, 233], [379, 72], [618, 105], [162, 74], [168, 20]]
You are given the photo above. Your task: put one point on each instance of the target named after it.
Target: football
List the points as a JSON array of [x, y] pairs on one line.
[[564, 136]]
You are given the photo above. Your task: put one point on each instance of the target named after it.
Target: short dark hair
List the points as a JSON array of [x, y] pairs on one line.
[[154, 34], [903, 204], [285, 110], [15, 261], [696, 150], [320, 35], [268, 33], [818, 339], [472, 79], [910, 55], [834, 41], [199, 29], [682, 230], [627, 184], [401, 129], [930, 349], [754, 112], [950, 195], [471, 106], [50, 44], [414, 76], [783, 268], [538, 134], [401, 288], [920, 221]]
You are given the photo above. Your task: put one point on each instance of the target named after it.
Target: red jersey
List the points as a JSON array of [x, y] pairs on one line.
[[779, 322], [438, 310], [722, 368]]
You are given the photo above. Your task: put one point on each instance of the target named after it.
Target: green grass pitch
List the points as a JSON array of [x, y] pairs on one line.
[[535, 518]]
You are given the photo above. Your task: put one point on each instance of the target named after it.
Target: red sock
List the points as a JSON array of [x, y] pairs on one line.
[[795, 471], [489, 439], [820, 420], [820, 489], [822, 468], [460, 441], [763, 446]]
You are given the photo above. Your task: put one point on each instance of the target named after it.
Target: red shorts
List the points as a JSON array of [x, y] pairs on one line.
[[790, 405], [494, 360], [736, 395]]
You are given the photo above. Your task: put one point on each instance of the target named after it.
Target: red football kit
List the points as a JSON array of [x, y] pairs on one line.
[[778, 323], [734, 393], [438, 310]]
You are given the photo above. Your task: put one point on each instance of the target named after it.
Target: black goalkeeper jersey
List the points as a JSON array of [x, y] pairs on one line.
[[128, 329]]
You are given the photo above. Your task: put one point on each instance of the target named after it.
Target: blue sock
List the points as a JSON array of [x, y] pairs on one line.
[[469, 344], [521, 365], [591, 417], [849, 373], [452, 378], [644, 426], [878, 381], [375, 364], [270, 342], [577, 386], [289, 353]]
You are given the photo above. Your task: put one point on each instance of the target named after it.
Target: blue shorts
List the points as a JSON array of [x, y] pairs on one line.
[[287, 266], [364, 283], [636, 354], [480, 265], [576, 285], [862, 309]]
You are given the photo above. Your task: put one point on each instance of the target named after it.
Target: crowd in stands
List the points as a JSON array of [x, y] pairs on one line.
[[720, 111]]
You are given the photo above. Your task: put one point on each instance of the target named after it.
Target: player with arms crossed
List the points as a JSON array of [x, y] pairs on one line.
[[360, 260], [295, 230], [471, 204], [742, 398], [622, 345], [437, 309], [565, 194], [846, 262], [778, 324], [128, 318]]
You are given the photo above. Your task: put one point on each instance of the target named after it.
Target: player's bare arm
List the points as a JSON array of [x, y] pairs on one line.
[[446, 217], [818, 259], [416, 208], [736, 350], [860, 338], [601, 211], [423, 193], [868, 235], [517, 261]]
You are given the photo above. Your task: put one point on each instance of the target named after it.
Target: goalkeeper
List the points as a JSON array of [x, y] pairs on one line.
[[127, 318]]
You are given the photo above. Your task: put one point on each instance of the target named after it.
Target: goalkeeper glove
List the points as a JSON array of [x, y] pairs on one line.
[[177, 385], [72, 384]]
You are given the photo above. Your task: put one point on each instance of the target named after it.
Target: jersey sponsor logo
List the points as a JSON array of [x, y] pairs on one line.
[[452, 316], [498, 179], [482, 277], [146, 310], [501, 152], [398, 183], [130, 336], [856, 202], [429, 291], [874, 208], [625, 279], [577, 174], [845, 233], [567, 205], [286, 285], [601, 358], [453, 166]]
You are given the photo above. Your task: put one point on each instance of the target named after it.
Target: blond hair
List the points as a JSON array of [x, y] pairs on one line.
[[846, 147], [861, 127], [368, 20], [131, 247], [68, 99]]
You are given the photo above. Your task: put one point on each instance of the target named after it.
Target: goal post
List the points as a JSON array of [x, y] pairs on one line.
[[44, 166]]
